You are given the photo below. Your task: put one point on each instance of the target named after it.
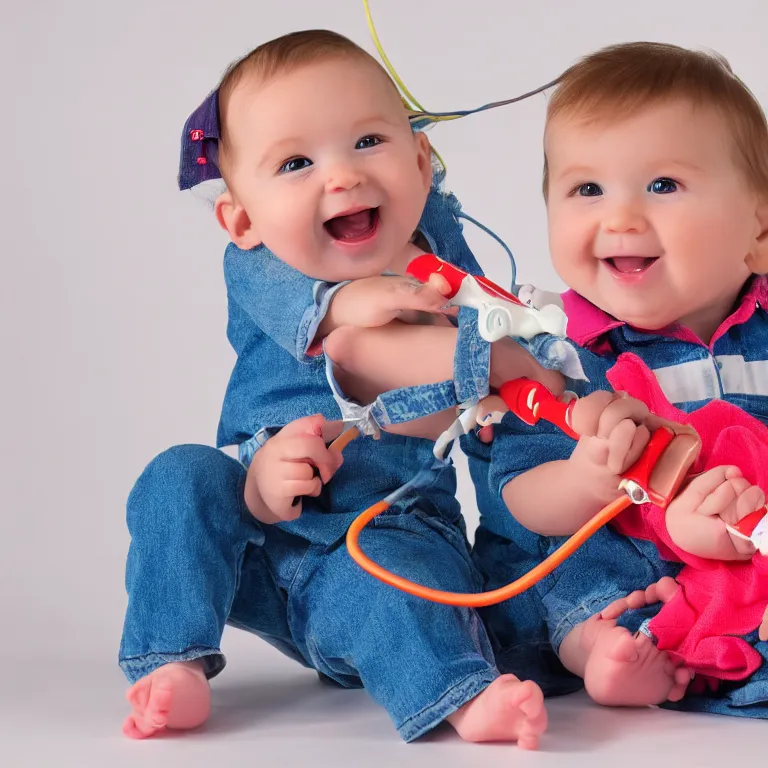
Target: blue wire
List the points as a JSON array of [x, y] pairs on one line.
[[490, 232]]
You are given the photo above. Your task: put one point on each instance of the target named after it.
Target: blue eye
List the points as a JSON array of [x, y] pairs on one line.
[[662, 186], [295, 164], [590, 189], [367, 142]]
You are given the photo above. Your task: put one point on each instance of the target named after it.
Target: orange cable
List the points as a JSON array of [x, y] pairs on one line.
[[479, 599], [466, 599]]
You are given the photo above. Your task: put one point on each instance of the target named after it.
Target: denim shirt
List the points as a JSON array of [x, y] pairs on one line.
[[274, 311], [733, 367]]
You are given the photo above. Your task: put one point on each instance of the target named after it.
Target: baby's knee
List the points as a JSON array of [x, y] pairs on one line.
[[183, 466], [428, 552], [184, 481]]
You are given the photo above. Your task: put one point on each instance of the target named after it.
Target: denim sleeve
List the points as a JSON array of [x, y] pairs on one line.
[[285, 304], [247, 449], [518, 447], [471, 361]]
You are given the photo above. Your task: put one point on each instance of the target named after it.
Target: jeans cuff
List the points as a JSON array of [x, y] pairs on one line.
[[409, 403], [452, 700], [136, 667], [247, 449], [577, 616]]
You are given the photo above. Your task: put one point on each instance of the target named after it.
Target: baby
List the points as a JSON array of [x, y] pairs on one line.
[[656, 184], [325, 183]]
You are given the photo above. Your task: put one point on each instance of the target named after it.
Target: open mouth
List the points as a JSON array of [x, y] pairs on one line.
[[355, 227], [631, 265]]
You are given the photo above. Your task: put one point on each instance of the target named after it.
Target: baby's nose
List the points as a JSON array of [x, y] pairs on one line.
[[625, 217], [343, 177]]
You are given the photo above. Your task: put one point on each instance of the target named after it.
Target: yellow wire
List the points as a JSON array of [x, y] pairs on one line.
[[409, 99], [414, 107], [387, 63]]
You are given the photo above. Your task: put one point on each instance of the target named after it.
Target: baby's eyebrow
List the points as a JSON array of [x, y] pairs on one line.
[[656, 165], [679, 163], [275, 151], [575, 170], [376, 120]]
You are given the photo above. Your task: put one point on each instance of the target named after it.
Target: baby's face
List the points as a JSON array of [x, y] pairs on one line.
[[650, 217], [326, 166]]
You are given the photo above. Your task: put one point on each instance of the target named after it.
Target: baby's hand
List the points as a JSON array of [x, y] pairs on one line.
[[295, 462], [613, 432], [374, 301], [696, 519]]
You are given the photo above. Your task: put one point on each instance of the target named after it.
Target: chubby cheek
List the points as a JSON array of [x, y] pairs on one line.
[[708, 246], [292, 239], [570, 247], [695, 232], [299, 220], [407, 200]]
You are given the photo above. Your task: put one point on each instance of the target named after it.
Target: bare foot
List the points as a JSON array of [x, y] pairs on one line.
[[174, 696], [507, 710], [625, 670], [621, 669]]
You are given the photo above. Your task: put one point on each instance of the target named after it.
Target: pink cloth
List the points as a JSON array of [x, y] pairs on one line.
[[718, 601]]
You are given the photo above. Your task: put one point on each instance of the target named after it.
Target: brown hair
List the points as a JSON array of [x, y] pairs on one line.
[[282, 55], [621, 79]]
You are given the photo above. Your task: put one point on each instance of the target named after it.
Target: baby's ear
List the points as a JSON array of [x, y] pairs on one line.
[[424, 158], [757, 258], [233, 218]]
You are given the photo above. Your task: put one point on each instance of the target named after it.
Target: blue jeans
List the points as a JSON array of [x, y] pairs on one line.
[[198, 560]]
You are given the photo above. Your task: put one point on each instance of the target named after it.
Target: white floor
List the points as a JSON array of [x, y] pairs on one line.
[[270, 713]]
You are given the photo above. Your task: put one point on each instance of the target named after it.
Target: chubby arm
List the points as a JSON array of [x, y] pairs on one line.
[[557, 498], [404, 355], [375, 360]]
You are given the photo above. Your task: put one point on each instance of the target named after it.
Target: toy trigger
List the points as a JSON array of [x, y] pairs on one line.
[[530, 401]]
